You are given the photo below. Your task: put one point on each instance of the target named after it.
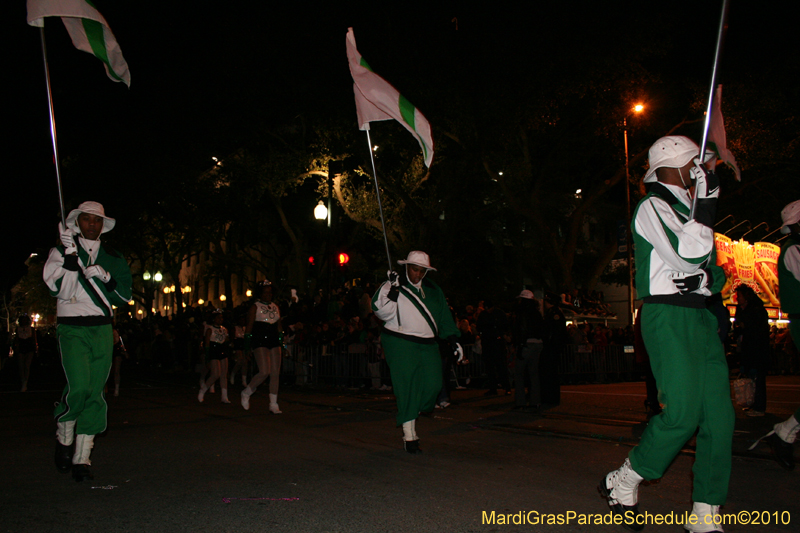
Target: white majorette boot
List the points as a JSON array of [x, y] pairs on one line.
[[81, 461], [273, 404], [705, 518], [202, 393], [65, 438], [246, 398], [780, 440], [621, 489]]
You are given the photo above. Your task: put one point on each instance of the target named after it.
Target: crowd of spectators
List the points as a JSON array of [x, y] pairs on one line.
[[173, 343]]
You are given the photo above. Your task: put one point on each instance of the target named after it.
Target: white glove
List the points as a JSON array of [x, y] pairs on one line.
[[394, 279], [67, 239], [96, 271], [706, 183], [460, 351]]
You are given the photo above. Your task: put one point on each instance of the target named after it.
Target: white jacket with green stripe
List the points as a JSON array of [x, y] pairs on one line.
[[81, 301], [419, 314], [669, 247]]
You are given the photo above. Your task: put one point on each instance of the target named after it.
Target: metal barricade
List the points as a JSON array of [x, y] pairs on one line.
[[361, 365]]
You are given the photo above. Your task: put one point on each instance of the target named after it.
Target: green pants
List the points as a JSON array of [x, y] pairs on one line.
[[416, 371], [689, 365], [86, 358]]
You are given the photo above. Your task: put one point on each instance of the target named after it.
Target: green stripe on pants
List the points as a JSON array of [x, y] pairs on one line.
[[689, 365], [86, 358]]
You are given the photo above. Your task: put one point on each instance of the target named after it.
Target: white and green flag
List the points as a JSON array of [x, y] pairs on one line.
[[376, 99], [87, 28], [717, 140]]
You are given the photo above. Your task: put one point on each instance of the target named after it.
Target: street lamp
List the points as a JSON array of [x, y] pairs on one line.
[[638, 108], [151, 282], [320, 212]]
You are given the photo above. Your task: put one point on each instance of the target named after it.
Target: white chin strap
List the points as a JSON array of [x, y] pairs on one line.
[[417, 285], [94, 243], [683, 182]]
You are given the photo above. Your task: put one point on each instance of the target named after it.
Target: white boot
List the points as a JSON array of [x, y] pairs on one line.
[[273, 404], [410, 440], [408, 431], [787, 430], [65, 432], [83, 450], [81, 461], [65, 436], [246, 398], [621, 489], [781, 440], [202, 393], [705, 518]]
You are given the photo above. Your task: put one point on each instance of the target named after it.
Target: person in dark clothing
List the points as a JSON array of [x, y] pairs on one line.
[[555, 334], [492, 325], [527, 337], [752, 318]]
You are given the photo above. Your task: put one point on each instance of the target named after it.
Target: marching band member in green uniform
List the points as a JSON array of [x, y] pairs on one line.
[[675, 272], [415, 314], [87, 279]]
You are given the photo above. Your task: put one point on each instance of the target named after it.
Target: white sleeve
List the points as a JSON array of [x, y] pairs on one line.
[[792, 260], [682, 246], [384, 308], [63, 284]]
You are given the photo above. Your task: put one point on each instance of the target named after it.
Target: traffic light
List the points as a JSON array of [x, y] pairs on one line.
[[311, 260], [343, 259]]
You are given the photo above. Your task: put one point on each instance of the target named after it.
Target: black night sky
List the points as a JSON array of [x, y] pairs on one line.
[[206, 75]]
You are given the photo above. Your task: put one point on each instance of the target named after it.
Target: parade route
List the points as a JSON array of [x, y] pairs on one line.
[[332, 462]]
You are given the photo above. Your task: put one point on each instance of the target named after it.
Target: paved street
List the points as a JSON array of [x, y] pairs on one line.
[[333, 463]]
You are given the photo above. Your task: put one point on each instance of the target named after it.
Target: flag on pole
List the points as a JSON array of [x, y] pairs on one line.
[[87, 28], [376, 99], [717, 140]]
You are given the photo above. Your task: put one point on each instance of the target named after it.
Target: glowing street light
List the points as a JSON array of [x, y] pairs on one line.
[[320, 212], [638, 108]]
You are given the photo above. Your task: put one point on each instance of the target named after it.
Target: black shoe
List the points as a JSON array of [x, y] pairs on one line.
[[490, 392], [81, 473], [628, 513], [784, 452], [64, 457], [412, 446]]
